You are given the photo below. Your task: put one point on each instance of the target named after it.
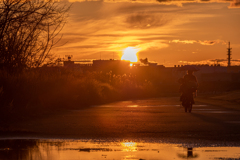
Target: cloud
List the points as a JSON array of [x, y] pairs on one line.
[[218, 60], [203, 62], [233, 3], [212, 42], [222, 62], [111, 27], [145, 21], [117, 1], [208, 42], [154, 44], [205, 42], [183, 41]]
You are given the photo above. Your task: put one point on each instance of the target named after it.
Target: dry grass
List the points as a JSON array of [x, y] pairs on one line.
[[232, 96], [39, 90]]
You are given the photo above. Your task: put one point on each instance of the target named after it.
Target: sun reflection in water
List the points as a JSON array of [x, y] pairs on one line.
[[129, 146], [118, 150], [133, 106]]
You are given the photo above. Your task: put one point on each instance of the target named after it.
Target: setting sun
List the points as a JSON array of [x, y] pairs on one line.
[[129, 54]]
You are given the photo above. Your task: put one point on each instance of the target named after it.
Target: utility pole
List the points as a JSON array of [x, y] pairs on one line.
[[229, 54]]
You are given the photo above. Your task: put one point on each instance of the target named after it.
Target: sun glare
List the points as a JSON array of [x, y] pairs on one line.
[[129, 146], [130, 54]]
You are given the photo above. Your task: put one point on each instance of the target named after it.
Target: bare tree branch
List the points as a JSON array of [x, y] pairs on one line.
[[28, 30]]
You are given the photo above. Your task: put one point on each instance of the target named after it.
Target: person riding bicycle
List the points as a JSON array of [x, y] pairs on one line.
[[188, 86], [189, 77]]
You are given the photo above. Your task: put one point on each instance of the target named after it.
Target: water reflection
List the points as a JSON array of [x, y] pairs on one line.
[[22, 149], [188, 155], [17, 149], [129, 146]]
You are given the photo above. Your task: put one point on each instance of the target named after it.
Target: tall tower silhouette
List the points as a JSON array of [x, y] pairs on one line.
[[229, 54]]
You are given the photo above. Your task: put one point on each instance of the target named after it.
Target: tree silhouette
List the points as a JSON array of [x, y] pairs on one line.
[[28, 31]]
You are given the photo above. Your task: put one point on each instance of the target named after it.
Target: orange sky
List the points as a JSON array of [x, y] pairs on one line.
[[164, 31]]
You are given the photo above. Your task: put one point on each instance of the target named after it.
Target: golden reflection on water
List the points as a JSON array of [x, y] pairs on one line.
[[129, 146], [132, 106], [118, 150]]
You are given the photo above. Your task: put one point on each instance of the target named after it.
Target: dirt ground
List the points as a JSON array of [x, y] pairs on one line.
[[214, 118]]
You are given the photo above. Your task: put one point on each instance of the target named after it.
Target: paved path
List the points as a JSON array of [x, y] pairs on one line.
[[161, 118]]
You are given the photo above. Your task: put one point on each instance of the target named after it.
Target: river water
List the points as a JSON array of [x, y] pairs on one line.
[[70, 149]]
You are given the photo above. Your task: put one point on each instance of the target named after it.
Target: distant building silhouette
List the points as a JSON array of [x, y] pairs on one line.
[[116, 66], [147, 70]]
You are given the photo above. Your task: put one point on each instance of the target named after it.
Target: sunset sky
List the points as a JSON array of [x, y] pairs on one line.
[[164, 31]]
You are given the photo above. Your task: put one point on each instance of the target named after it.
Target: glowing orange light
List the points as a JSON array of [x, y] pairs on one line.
[[129, 54], [129, 146]]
